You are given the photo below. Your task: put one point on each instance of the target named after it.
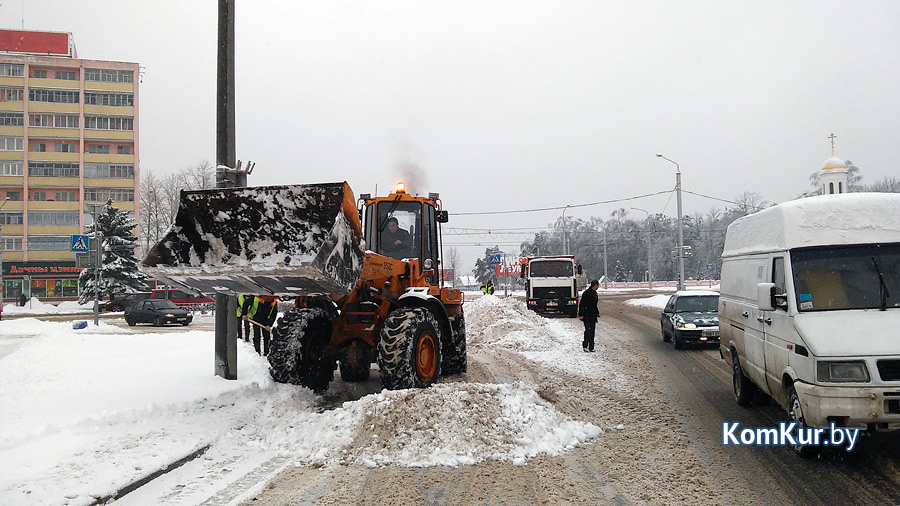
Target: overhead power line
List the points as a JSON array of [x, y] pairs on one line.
[[559, 208], [757, 208]]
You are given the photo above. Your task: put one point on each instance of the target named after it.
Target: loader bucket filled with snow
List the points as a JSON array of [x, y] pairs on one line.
[[281, 240]]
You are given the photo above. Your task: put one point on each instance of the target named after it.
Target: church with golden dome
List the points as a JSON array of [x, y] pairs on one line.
[[833, 175]]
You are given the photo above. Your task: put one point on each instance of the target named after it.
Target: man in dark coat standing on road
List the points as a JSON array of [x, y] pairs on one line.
[[588, 312]]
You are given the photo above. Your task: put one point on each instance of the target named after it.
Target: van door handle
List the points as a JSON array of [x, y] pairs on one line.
[[761, 319], [745, 314]]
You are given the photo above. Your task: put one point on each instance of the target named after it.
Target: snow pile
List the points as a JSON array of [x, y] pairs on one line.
[[35, 306], [87, 412]]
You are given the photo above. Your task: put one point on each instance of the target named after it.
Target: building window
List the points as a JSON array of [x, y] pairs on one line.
[[98, 148], [116, 99], [9, 243], [12, 144], [39, 147], [123, 150], [108, 170], [108, 123], [39, 74], [9, 168], [11, 94], [38, 197], [14, 196], [40, 120], [67, 196], [12, 70], [840, 187], [104, 194], [12, 218], [53, 219], [109, 76], [12, 119], [49, 242], [66, 147], [53, 169], [830, 187], [66, 75], [55, 96], [65, 121]]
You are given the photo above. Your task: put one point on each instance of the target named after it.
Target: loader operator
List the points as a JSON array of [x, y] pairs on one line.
[[396, 242]]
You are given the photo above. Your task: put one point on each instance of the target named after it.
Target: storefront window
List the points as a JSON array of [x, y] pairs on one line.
[[12, 288], [67, 287], [38, 287]]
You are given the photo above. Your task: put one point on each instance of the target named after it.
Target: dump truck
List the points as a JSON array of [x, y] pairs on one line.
[[364, 276]]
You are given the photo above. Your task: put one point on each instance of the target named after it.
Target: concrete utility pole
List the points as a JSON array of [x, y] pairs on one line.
[[680, 223], [227, 176], [649, 269], [2, 286], [604, 257], [98, 265], [565, 233]]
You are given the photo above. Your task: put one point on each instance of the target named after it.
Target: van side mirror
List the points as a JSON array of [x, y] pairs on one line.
[[580, 269], [765, 296]]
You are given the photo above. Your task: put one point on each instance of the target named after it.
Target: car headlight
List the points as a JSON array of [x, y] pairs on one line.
[[688, 325], [170, 315], [842, 372]]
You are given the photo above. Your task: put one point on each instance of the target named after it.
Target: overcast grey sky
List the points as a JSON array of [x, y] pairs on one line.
[[513, 104]]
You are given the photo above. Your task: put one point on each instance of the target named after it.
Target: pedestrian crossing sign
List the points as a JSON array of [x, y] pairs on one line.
[[495, 259], [80, 243]]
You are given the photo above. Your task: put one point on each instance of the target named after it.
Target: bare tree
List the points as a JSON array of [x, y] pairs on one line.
[[199, 177], [160, 197], [455, 261], [889, 184], [751, 202]]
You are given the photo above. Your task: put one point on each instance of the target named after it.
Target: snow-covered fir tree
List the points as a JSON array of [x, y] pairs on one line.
[[119, 273], [620, 275]]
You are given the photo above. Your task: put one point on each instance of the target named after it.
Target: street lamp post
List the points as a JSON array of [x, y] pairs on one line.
[[680, 223], [2, 286], [565, 232], [649, 268]]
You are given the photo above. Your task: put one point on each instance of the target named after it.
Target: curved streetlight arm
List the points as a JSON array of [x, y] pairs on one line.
[[677, 168]]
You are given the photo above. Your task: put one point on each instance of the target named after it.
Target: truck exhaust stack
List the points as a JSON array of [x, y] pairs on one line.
[[281, 240]]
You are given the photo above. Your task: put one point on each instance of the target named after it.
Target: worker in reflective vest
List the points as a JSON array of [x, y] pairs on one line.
[[243, 314], [263, 312]]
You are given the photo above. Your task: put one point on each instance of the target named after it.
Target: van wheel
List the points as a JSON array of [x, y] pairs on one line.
[[679, 341], [665, 336], [744, 389], [796, 412]]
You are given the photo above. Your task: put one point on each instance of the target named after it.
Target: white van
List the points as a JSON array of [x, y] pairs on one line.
[[809, 309]]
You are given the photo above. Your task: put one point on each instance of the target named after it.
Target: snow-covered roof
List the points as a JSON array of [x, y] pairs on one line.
[[849, 218]]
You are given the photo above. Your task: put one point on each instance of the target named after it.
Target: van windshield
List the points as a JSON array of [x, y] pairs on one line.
[[551, 269], [847, 277]]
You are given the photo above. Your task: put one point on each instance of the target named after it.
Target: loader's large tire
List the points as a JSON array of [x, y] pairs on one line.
[[409, 351], [453, 352], [297, 353]]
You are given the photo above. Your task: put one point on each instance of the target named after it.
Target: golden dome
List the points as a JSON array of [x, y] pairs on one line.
[[834, 163]]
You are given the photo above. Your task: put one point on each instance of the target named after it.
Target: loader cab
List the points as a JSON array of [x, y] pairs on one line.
[[404, 227]]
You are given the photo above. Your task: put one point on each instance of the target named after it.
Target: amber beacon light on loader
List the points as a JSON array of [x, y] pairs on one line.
[[364, 276]]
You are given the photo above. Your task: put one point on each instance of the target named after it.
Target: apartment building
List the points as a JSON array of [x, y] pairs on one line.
[[68, 137]]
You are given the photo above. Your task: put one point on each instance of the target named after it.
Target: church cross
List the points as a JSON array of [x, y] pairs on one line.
[[832, 137]]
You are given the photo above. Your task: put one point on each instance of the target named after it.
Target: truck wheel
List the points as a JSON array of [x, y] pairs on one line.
[[453, 354], [796, 412], [298, 354], [409, 351], [744, 389]]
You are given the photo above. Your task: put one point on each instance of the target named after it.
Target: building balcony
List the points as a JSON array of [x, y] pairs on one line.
[[12, 155], [109, 110], [12, 81], [17, 131], [66, 256], [53, 205], [108, 158], [108, 182], [12, 106], [59, 84], [13, 230], [13, 256], [101, 86], [53, 229], [53, 182], [51, 156], [108, 135], [53, 133], [34, 107], [12, 205]]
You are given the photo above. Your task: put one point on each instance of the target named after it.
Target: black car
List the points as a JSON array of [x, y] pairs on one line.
[[121, 302], [156, 311], [691, 317]]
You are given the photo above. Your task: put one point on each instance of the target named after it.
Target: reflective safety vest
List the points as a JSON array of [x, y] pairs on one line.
[[253, 307], [240, 300]]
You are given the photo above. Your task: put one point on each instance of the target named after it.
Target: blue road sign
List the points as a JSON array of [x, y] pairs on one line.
[[709, 267], [495, 259], [80, 243]]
